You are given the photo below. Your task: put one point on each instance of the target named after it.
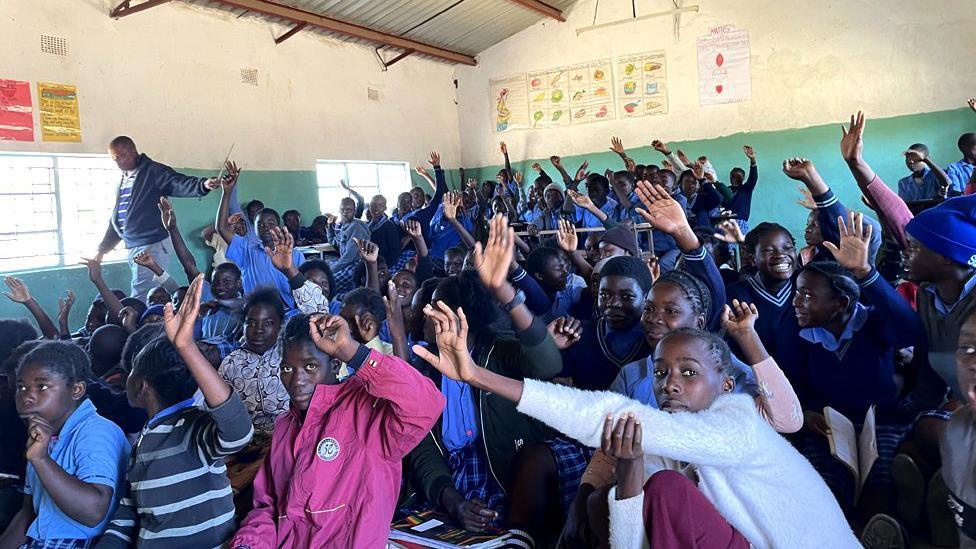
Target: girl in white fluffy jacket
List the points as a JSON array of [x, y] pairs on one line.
[[717, 475]]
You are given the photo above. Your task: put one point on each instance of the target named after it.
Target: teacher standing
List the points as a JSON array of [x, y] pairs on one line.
[[135, 217]]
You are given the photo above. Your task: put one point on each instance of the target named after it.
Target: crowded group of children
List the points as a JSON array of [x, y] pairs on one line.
[[633, 363]]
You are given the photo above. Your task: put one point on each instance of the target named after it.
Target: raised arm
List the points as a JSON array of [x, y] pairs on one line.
[[356, 197], [508, 163], [370, 253], [617, 146], [568, 242], [112, 302], [557, 163], [584, 202], [168, 217], [221, 225], [64, 311], [394, 321], [20, 293], [452, 201]]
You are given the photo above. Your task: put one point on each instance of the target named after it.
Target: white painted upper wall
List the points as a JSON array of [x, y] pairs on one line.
[[813, 62], [169, 77]]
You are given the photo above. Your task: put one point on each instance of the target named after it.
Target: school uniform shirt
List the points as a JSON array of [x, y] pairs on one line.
[[226, 321], [177, 492], [566, 298], [912, 189], [257, 380], [257, 271], [443, 235], [331, 480], [741, 202], [584, 218], [959, 174], [596, 359], [90, 448], [755, 479], [385, 233], [958, 449], [774, 306]]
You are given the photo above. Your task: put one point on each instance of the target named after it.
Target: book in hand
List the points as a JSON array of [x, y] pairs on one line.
[[858, 453], [433, 529]]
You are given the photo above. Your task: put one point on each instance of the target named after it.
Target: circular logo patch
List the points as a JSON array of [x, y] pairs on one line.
[[328, 449]]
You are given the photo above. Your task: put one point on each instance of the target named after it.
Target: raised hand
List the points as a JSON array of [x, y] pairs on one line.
[[565, 331], [367, 249], [330, 334], [566, 236], [179, 324], [750, 154], [503, 147], [684, 159], [344, 184], [581, 200], [492, 261], [536, 167], [19, 292], [582, 172], [228, 181], [64, 306], [664, 212], [729, 231], [330, 220], [146, 259], [413, 228], [851, 141], [556, 161], [739, 318], [698, 169], [855, 241], [451, 332], [94, 268], [452, 201], [666, 165], [39, 433], [435, 159], [807, 201], [622, 441], [660, 147], [421, 171], [518, 177], [799, 169], [281, 254], [972, 103], [617, 146], [653, 263], [914, 156], [166, 213]]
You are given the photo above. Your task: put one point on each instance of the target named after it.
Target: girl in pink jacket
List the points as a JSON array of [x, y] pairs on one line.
[[333, 474]]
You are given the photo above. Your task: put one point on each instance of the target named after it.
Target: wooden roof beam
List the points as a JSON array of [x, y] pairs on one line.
[[298, 16], [543, 8]]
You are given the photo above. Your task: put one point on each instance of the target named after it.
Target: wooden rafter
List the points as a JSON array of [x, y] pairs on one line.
[[125, 8], [543, 8]]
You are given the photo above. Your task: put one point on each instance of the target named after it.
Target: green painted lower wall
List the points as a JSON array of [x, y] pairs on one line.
[[774, 198]]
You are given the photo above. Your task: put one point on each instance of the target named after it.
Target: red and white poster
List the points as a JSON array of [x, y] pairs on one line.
[[723, 67], [16, 111]]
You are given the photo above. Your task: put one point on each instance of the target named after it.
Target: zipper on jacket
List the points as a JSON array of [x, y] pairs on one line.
[[484, 440]]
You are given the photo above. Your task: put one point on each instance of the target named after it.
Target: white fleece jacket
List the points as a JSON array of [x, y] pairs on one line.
[[762, 486]]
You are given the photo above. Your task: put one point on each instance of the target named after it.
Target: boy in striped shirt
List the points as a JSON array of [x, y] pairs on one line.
[[177, 492]]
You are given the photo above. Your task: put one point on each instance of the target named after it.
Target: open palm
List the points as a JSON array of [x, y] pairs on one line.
[[179, 324], [662, 211], [855, 240], [494, 260], [454, 360], [284, 243]]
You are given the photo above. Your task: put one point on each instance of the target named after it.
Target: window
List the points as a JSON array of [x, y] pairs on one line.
[[366, 178], [55, 208]]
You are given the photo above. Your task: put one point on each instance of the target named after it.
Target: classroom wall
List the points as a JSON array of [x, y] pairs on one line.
[[813, 63]]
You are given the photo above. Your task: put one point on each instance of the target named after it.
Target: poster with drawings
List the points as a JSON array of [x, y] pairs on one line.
[[642, 87], [509, 110], [571, 94], [723, 67], [548, 98]]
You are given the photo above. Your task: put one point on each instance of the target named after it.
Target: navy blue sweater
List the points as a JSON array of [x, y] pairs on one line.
[[741, 202], [861, 372], [142, 223]]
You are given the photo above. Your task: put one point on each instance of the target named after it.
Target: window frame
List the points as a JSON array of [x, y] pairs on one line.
[[319, 186]]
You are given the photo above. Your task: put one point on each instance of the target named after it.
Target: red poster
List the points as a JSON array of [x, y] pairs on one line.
[[16, 111]]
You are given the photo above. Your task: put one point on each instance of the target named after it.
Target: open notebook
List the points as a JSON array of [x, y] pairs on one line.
[[432, 529], [857, 452]]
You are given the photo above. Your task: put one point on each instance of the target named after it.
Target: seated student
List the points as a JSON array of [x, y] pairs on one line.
[[445, 232], [961, 173], [105, 348], [344, 237], [546, 216], [17, 337], [619, 241], [176, 491], [251, 256], [958, 442], [594, 209], [454, 260], [318, 273], [549, 268], [292, 221], [742, 188], [702, 198], [926, 181], [679, 301], [252, 370], [771, 288], [838, 353], [755, 488], [383, 231], [333, 474], [159, 296], [75, 458], [665, 248], [364, 312], [615, 338]]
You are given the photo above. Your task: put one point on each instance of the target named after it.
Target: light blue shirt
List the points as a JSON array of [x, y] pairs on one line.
[[636, 380], [443, 235], [459, 424], [959, 174], [257, 270], [588, 220], [91, 449], [941, 306], [825, 339], [566, 298], [910, 190]]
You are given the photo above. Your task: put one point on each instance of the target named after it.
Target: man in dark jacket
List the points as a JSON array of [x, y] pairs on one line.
[[135, 217]]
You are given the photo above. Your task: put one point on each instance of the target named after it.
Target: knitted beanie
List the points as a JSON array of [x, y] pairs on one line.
[[948, 229], [622, 236]]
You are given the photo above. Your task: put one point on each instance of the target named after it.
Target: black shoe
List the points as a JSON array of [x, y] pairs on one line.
[[884, 532]]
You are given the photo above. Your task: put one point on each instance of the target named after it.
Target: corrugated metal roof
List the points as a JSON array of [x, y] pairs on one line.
[[463, 26]]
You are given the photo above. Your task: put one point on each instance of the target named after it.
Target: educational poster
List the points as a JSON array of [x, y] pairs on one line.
[[509, 110], [642, 84], [16, 111], [723, 67], [570, 95], [58, 104]]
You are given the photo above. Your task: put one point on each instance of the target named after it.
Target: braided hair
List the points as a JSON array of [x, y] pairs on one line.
[[694, 288], [66, 360]]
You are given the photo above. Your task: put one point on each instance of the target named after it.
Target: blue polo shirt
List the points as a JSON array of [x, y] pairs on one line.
[[911, 191], [590, 221], [257, 271], [959, 173], [91, 449]]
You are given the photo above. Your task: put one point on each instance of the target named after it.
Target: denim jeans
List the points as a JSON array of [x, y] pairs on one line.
[[142, 278]]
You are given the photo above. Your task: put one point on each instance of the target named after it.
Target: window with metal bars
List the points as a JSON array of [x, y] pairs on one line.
[[366, 178], [55, 208]]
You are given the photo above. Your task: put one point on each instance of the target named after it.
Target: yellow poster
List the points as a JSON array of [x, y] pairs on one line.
[[58, 104]]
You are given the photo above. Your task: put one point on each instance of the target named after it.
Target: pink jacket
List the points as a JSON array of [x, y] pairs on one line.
[[333, 480]]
